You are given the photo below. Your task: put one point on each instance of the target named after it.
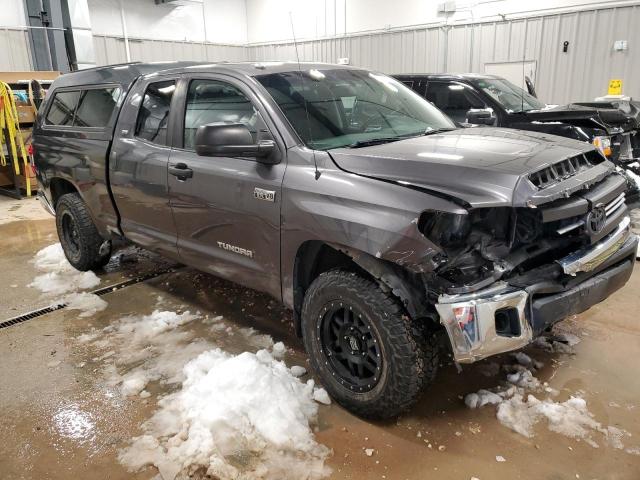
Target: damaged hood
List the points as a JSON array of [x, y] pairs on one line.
[[605, 118], [481, 167], [628, 109]]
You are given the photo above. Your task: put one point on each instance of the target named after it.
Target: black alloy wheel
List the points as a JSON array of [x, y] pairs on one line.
[[368, 354], [350, 346], [71, 233]]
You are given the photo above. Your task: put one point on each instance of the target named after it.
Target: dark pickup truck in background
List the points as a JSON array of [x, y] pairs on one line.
[[345, 195], [613, 127]]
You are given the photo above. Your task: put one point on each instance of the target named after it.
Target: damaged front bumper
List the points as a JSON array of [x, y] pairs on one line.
[[588, 259], [485, 323], [502, 318]]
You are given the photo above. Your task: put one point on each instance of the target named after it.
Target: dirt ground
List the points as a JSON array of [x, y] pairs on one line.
[[59, 420]]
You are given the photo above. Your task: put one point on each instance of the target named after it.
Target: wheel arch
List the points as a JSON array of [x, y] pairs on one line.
[[59, 186], [315, 257]]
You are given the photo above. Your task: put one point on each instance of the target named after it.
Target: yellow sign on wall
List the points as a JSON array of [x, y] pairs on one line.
[[615, 87]]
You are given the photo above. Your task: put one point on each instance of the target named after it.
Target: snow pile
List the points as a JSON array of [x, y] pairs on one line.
[[143, 328], [562, 343], [521, 411], [279, 350], [570, 418], [255, 339], [149, 349], [523, 378], [320, 395], [87, 303], [568, 338], [236, 416], [482, 398], [61, 281], [298, 371]]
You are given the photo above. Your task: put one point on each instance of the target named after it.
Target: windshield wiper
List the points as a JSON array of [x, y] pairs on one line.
[[439, 130], [373, 141]]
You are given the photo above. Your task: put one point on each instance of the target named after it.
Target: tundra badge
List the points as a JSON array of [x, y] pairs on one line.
[[233, 248], [266, 195]]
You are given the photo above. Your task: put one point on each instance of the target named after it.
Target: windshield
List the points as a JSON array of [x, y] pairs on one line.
[[512, 98], [335, 108]]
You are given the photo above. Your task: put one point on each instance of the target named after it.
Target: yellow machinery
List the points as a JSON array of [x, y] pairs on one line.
[[10, 134]]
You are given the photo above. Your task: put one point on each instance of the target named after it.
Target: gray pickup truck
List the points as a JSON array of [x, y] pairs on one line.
[[345, 195]]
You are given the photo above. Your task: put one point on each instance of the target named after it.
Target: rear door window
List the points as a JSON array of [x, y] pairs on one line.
[[153, 116], [63, 108], [96, 106], [91, 108]]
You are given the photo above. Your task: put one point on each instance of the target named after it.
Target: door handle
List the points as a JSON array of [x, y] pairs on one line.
[[180, 170]]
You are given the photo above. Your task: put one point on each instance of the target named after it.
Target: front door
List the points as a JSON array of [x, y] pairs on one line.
[[226, 209]]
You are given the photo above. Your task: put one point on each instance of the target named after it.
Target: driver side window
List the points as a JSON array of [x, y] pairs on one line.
[[453, 99], [216, 102]]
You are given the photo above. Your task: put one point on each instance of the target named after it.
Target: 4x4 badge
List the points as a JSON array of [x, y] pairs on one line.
[[266, 195]]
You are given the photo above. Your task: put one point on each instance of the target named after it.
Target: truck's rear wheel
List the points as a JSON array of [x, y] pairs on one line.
[[78, 235], [363, 346]]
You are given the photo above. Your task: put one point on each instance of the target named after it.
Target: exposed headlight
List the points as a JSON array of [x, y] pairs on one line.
[[445, 229], [603, 144]]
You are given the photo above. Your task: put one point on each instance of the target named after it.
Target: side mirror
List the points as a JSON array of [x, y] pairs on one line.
[[481, 116], [232, 140]]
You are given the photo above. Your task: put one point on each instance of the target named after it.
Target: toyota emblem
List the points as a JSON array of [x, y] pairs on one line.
[[596, 219]]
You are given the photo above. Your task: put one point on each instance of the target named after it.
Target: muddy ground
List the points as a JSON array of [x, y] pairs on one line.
[[59, 420]]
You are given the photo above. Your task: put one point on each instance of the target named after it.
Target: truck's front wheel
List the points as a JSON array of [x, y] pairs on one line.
[[78, 235], [363, 346]]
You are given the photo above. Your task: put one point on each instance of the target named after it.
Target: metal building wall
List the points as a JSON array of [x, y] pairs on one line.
[[14, 54], [110, 50], [580, 74]]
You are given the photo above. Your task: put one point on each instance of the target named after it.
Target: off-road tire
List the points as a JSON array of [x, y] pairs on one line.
[[71, 210], [409, 359]]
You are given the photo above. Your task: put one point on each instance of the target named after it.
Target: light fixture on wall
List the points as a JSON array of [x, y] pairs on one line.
[[620, 45]]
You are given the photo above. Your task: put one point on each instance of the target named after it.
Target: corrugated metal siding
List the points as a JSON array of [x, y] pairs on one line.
[[582, 73], [112, 50], [14, 50]]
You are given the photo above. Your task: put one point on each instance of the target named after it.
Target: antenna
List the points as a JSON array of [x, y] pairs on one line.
[[524, 55], [522, 85], [306, 108]]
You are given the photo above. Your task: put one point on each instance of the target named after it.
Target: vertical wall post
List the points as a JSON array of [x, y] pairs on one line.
[[124, 33]]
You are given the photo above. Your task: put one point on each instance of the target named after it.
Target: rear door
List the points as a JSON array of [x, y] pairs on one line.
[[227, 211], [139, 162]]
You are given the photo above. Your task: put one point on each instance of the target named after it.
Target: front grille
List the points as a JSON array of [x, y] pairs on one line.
[[614, 205], [611, 209], [560, 171]]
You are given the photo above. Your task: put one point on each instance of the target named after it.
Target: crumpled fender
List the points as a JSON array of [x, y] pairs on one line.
[[359, 214]]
